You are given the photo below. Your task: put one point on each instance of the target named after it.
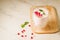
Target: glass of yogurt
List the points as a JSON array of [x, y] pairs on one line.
[[42, 19]]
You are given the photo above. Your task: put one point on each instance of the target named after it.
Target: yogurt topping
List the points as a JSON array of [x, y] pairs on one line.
[[40, 16]]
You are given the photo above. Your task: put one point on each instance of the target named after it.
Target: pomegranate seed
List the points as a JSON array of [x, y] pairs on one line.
[[25, 35], [18, 33], [40, 14], [29, 25], [23, 30], [22, 35], [31, 33], [31, 37], [37, 13]]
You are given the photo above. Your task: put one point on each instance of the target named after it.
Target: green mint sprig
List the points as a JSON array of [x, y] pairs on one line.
[[23, 25], [41, 11]]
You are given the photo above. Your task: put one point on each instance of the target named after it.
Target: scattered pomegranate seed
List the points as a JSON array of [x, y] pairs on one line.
[[23, 30], [25, 35], [18, 33], [29, 25], [31, 33], [22, 35], [31, 37]]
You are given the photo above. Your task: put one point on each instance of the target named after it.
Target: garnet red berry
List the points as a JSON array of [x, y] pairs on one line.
[[31, 37], [40, 14], [37, 14], [23, 30], [18, 33], [22, 35], [25, 35], [31, 33], [29, 25]]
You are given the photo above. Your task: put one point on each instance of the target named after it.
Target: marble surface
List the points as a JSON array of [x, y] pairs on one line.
[[15, 12]]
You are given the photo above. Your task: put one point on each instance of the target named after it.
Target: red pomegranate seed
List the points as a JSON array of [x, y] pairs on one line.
[[23, 30], [31, 33], [31, 37], [18, 33], [37, 13], [22, 35], [40, 14], [29, 25], [25, 35]]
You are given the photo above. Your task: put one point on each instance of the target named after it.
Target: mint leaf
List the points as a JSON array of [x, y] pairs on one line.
[[26, 23], [23, 25], [40, 10]]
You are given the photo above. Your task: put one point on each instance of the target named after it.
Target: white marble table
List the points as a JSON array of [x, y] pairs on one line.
[[15, 12]]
